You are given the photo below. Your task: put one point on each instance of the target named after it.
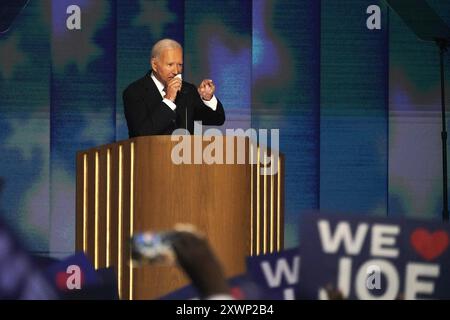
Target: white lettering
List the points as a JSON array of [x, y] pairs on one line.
[[330, 243], [384, 235], [413, 285]]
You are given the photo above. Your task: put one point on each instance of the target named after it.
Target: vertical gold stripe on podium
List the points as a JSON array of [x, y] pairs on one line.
[[96, 217], [108, 208], [130, 263], [119, 227], [85, 200], [272, 213], [265, 203], [279, 206], [252, 216], [258, 205]]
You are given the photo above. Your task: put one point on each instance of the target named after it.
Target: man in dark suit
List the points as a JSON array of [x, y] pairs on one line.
[[161, 102]]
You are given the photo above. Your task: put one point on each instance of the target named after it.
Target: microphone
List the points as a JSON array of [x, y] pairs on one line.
[[183, 91]]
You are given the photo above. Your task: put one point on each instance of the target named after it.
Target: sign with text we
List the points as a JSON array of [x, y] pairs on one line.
[[275, 275], [374, 258]]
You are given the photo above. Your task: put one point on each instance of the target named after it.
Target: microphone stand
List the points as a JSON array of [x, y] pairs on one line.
[[428, 26], [442, 44]]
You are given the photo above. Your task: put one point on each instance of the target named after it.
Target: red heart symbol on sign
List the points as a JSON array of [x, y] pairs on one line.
[[429, 245], [61, 280]]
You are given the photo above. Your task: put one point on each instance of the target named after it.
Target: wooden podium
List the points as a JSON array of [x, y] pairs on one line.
[[133, 186]]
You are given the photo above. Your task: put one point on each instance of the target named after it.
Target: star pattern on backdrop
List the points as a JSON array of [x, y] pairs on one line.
[[154, 15], [94, 131], [10, 57], [30, 138], [78, 46], [27, 135]]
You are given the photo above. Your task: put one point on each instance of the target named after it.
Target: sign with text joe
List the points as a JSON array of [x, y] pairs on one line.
[[374, 258]]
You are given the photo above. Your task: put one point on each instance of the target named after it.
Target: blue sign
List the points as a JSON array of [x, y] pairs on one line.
[[73, 273], [276, 275], [374, 258]]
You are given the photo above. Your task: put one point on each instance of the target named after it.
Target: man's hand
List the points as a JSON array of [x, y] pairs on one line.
[[172, 89], [206, 89], [198, 261]]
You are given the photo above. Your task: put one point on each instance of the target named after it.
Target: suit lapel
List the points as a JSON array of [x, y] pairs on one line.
[[151, 89], [154, 98]]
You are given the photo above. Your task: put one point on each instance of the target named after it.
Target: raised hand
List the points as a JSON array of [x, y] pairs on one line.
[[199, 262], [206, 89]]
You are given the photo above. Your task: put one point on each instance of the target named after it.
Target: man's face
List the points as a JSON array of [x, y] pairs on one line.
[[168, 64]]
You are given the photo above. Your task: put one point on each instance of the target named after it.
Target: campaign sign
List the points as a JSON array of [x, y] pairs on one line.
[[276, 275], [374, 258]]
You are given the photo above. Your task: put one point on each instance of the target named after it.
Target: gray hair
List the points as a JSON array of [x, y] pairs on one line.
[[162, 45]]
